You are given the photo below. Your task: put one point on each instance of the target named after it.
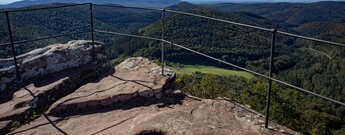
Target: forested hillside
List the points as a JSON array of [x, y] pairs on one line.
[[313, 66], [232, 43], [34, 24], [292, 13]]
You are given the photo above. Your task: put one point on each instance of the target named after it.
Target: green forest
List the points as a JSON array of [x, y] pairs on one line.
[[310, 65], [50, 22]]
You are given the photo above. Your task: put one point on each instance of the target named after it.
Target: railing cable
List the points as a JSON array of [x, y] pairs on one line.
[[310, 38], [129, 35], [45, 8], [258, 28], [258, 74], [119, 6], [220, 20], [48, 37], [227, 63]]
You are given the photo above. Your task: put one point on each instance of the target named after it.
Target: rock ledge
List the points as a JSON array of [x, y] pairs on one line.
[[135, 99], [48, 74]]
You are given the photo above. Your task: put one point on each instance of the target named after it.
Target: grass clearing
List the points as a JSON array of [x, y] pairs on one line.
[[190, 69]]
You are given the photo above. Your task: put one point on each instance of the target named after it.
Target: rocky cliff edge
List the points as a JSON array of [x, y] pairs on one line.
[[76, 95], [132, 98], [47, 74]]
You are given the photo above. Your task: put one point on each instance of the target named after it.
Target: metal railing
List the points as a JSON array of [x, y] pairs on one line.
[[13, 43], [274, 33]]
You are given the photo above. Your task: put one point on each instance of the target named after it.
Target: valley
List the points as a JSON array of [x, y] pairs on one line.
[[310, 65], [190, 69]]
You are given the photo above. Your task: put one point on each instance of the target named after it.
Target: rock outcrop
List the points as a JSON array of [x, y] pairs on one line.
[[136, 99], [135, 77], [48, 60], [48, 74], [211, 117]]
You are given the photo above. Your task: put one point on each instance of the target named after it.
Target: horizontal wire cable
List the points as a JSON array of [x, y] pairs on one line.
[[220, 20], [190, 14], [45, 8], [227, 63], [118, 6], [259, 28], [43, 38], [310, 38], [258, 74], [128, 35]]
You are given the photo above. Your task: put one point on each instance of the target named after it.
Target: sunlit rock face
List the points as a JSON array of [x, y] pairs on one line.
[[135, 99], [133, 78], [47, 74], [48, 60]]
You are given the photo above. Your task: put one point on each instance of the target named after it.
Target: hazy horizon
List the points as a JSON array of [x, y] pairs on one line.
[[212, 1], [256, 1]]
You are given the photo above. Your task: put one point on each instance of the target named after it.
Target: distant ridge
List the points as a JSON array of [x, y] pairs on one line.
[[141, 3], [184, 6], [292, 13]]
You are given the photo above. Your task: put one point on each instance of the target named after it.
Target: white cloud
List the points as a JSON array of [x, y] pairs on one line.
[[8, 1]]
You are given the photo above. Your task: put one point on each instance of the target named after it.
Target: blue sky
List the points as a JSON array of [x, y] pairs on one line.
[[10, 1]]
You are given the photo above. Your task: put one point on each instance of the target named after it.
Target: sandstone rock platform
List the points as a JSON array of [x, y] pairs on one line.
[[48, 60], [136, 99], [135, 77], [42, 83], [178, 116]]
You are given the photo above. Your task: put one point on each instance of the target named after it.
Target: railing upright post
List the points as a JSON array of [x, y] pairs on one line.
[[162, 43], [12, 44], [268, 100], [92, 33]]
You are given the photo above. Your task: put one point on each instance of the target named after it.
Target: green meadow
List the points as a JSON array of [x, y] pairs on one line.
[[190, 69]]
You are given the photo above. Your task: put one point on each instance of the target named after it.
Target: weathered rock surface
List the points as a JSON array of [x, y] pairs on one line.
[[137, 99], [48, 60], [134, 77], [38, 93], [211, 117]]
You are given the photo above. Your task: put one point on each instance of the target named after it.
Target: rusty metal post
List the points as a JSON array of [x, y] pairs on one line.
[[268, 100], [12, 44], [162, 43], [92, 33]]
